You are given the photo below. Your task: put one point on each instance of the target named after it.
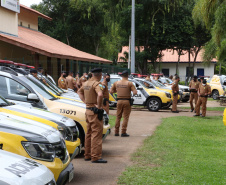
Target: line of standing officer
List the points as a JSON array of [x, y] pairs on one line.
[[91, 93], [124, 102]]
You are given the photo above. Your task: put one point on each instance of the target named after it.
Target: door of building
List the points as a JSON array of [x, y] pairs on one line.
[[200, 72], [165, 72]]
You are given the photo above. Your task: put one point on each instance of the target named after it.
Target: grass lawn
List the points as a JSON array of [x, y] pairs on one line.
[[112, 120], [208, 108], [183, 150]]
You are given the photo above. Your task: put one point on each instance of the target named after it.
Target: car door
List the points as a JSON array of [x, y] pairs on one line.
[[139, 99], [14, 91]]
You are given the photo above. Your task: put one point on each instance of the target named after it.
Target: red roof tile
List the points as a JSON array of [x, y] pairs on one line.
[[48, 46], [36, 12], [169, 56]]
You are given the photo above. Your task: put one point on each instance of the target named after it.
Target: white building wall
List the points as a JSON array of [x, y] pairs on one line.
[[208, 70], [8, 21]]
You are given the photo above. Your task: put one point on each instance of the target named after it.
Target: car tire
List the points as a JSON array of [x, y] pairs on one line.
[[154, 104], [215, 94]]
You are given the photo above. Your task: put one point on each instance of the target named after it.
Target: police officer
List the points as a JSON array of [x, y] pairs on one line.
[[91, 94], [62, 82], [34, 72], [148, 79], [123, 89], [203, 92], [175, 89], [83, 79], [106, 92], [71, 81], [194, 85]]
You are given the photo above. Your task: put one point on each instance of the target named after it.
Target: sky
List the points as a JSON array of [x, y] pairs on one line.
[[29, 2]]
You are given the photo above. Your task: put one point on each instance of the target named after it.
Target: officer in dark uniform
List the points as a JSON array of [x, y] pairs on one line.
[[123, 89], [91, 94]]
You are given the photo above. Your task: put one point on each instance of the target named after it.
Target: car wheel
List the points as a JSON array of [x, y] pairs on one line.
[[154, 104], [215, 94]]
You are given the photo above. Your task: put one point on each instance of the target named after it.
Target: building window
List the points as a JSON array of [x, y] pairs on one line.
[[165, 72], [21, 24], [29, 26], [200, 72]]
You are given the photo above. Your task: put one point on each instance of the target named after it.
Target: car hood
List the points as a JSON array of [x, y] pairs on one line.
[[18, 170], [57, 118], [31, 130]]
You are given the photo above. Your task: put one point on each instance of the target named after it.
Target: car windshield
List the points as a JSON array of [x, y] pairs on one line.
[[112, 81], [3, 102], [53, 86], [146, 84], [37, 87]]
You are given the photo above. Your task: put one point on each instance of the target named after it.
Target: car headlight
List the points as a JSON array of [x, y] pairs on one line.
[[168, 95], [66, 133], [62, 130], [44, 152]]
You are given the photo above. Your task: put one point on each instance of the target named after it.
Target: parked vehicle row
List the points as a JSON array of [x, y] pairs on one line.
[[44, 124]]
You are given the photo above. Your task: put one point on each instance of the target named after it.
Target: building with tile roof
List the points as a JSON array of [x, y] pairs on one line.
[[20, 41], [167, 64]]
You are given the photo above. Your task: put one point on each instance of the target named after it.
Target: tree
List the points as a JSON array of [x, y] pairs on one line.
[[212, 13]]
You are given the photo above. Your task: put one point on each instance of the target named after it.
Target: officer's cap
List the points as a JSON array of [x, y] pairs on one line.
[[204, 81], [125, 72], [96, 70], [33, 71]]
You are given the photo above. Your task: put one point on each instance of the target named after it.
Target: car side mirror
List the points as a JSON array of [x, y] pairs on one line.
[[139, 88], [32, 97]]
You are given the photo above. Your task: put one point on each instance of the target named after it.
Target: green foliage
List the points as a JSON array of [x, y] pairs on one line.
[[183, 150], [212, 13]]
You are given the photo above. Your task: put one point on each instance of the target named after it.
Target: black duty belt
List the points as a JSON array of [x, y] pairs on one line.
[[124, 99], [194, 91], [203, 96], [97, 111]]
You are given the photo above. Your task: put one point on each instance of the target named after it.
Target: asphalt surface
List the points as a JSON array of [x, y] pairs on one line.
[[117, 150]]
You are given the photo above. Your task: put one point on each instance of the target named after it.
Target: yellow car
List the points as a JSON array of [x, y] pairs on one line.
[[217, 84], [153, 99], [36, 141], [27, 91], [224, 117]]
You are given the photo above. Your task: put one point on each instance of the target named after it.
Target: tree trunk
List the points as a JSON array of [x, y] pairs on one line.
[[178, 61], [189, 66], [196, 54]]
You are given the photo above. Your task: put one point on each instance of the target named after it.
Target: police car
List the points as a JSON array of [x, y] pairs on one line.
[[19, 170], [66, 126], [32, 93], [152, 98], [36, 141], [185, 92]]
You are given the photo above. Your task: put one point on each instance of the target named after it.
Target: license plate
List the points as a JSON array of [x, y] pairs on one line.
[[71, 175]]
